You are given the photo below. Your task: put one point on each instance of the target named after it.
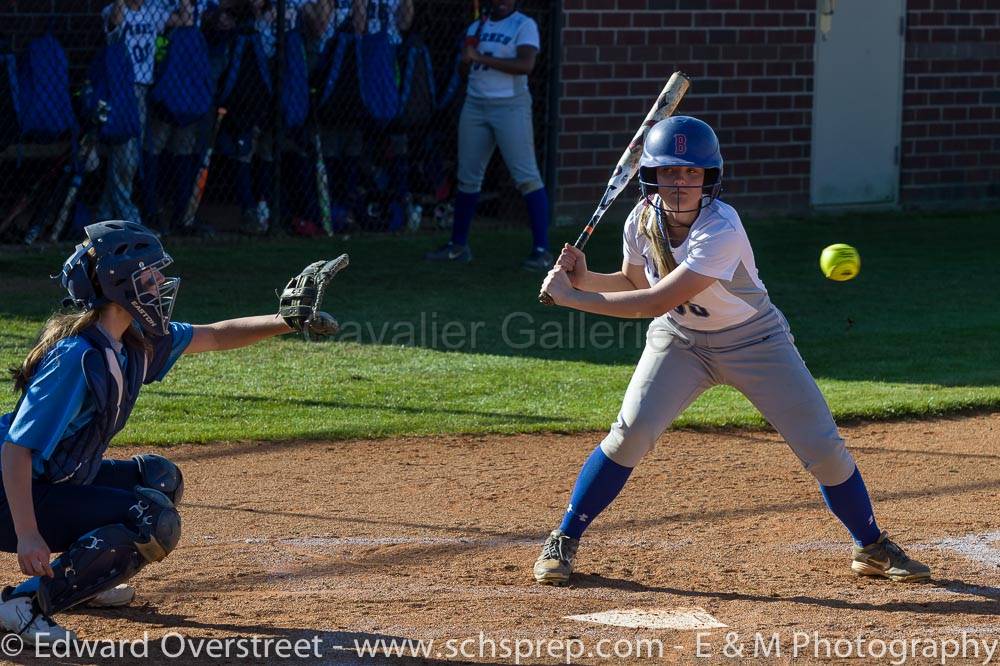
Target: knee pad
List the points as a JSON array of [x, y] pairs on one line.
[[156, 522], [97, 561], [160, 474], [627, 444]]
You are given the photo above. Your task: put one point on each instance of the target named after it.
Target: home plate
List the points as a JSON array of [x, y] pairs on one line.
[[654, 618]]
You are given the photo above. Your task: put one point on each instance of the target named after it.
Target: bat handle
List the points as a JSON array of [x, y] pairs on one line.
[[581, 242]]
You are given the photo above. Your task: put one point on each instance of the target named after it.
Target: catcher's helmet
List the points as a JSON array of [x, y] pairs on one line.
[[121, 262], [681, 141]]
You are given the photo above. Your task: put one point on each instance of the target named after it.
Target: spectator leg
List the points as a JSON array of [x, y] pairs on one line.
[[538, 212], [476, 143], [515, 136]]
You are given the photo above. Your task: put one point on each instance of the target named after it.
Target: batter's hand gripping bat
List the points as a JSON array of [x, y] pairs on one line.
[[663, 107]]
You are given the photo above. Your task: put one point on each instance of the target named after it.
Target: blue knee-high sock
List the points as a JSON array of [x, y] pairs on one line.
[[465, 208], [538, 213], [850, 502], [598, 484]]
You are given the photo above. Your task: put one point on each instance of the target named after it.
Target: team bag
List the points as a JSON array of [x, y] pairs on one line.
[[377, 73], [182, 94], [246, 89], [295, 94], [339, 100], [111, 79], [44, 106], [418, 95]]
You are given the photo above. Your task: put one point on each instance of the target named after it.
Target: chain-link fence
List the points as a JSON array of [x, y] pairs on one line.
[[197, 116]]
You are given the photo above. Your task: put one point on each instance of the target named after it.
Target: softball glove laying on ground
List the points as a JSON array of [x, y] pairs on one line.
[[299, 304]]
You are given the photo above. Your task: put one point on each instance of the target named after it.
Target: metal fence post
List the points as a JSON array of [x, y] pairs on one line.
[[552, 121], [279, 124]]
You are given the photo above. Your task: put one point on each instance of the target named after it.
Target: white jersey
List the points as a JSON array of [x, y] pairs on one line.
[[139, 29], [716, 246], [500, 39]]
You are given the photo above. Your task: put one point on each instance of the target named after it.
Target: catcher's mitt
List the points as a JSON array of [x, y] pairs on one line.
[[299, 304]]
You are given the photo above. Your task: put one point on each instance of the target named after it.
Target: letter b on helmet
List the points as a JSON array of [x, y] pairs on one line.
[[681, 141]]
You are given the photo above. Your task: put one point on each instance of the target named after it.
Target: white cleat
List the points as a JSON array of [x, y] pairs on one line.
[[18, 615], [115, 597]]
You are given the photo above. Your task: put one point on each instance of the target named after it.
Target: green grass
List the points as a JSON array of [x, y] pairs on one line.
[[914, 335]]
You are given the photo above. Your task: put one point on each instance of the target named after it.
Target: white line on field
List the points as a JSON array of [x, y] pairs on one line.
[[983, 547], [325, 541]]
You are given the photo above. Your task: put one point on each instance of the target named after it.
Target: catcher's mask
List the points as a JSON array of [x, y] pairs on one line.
[[680, 141], [122, 262]]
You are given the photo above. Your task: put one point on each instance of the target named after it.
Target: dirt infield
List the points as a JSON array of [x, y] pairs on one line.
[[433, 538]]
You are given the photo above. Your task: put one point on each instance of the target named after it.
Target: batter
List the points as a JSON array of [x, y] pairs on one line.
[[689, 265]]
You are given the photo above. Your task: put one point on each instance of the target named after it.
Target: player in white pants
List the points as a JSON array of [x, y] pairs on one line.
[[689, 265], [501, 53]]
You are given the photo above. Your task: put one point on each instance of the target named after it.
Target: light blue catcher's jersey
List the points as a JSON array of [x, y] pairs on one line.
[[59, 403]]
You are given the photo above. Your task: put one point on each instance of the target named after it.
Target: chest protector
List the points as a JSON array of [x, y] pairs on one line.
[[77, 458]]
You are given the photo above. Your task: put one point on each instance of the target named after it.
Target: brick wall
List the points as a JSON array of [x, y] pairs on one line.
[[752, 61], [752, 65], [951, 102]]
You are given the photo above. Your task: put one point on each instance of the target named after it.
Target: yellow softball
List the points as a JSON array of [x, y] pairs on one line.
[[840, 262]]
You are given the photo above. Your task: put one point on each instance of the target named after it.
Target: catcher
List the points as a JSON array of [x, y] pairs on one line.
[[78, 384]]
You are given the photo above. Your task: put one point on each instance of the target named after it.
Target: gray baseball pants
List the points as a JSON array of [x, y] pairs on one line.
[[759, 359]]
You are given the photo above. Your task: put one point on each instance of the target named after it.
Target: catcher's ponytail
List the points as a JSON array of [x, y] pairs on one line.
[[60, 325], [64, 325]]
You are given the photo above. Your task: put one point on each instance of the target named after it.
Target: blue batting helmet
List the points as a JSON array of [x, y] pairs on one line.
[[681, 141], [122, 262]]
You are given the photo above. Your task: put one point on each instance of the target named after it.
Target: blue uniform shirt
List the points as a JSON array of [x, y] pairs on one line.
[[58, 401]]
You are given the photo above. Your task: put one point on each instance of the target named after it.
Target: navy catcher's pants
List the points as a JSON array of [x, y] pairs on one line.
[[66, 512]]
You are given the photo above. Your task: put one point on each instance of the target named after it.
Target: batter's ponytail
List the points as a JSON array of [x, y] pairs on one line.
[[660, 246]]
